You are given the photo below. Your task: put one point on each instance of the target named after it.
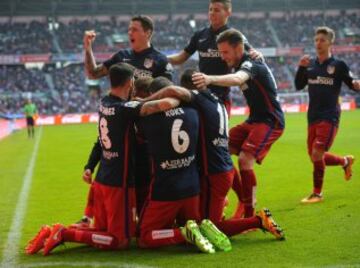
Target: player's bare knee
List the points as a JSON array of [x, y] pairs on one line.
[[317, 154], [246, 161]]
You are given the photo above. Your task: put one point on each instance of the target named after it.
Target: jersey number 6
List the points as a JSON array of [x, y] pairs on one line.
[[177, 135]]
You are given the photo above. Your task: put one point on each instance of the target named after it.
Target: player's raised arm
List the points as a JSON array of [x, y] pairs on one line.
[[171, 92], [92, 70], [202, 80], [301, 73]]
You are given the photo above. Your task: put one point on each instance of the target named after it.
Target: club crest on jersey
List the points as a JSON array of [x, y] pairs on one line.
[[148, 63], [331, 69]]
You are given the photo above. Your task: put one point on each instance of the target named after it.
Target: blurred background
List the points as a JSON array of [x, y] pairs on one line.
[[41, 44]]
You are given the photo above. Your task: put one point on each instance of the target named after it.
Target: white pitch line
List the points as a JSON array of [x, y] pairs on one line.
[[83, 264], [11, 250]]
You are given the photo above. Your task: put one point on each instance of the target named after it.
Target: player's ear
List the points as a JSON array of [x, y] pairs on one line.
[[228, 12], [149, 34]]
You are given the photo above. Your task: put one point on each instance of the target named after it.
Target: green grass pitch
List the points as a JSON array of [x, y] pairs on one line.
[[320, 235]]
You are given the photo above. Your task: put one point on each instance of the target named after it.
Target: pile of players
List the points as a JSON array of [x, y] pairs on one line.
[[163, 151]]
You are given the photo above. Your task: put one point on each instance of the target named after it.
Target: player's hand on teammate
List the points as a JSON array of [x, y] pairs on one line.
[[356, 84], [89, 37], [304, 61], [201, 80], [256, 55], [87, 176]]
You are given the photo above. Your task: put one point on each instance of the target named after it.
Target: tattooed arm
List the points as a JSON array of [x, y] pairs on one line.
[[93, 71], [171, 92], [157, 106]]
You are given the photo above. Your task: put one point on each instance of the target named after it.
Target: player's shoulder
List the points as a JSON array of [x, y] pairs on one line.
[[158, 55], [339, 62], [248, 63], [203, 32], [123, 53], [207, 95]]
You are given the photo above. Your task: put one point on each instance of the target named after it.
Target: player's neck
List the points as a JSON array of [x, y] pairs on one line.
[[217, 26], [324, 56], [142, 48], [120, 92]]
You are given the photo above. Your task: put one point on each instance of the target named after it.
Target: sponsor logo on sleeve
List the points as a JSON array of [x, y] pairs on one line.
[[132, 104], [246, 65]]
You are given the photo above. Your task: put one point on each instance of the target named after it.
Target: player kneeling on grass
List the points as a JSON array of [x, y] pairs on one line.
[[217, 167], [113, 190], [142, 171], [114, 206], [172, 138]]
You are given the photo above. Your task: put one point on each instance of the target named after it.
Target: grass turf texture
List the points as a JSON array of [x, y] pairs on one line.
[[317, 235]]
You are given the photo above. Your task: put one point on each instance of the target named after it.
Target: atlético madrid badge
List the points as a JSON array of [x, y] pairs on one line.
[[331, 69], [148, 63]]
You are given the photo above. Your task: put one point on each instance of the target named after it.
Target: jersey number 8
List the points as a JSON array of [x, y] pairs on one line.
[[105, 140]]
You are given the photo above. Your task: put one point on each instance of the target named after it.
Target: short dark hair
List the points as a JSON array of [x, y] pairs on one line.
[[226, 3], [142, 86], [330, 33], [232, 36], [186, 79], [146, 22], [159, 83], [120, 73]]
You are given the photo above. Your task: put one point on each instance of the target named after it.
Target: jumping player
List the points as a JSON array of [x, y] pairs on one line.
[[210, 63], [251, 140], [147, 60], [324, 75]]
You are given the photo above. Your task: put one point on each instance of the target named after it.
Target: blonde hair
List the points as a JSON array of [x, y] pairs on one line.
[[326, 31]]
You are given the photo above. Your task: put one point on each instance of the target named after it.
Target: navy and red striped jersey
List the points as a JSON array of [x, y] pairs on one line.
[[324, 85], [213, 132], [148, 63], [117, 139], [172, 143], [210, 62], [260, 92]]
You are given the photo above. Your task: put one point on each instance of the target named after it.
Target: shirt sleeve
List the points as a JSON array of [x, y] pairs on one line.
[[346, 75], [132, 109], [194, 97], [116, 58], [94, 157], [192, 46], [165, 69], [248, 67], [301, 78]]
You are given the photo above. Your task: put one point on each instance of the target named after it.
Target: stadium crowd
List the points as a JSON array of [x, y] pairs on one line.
[[65, 90]]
